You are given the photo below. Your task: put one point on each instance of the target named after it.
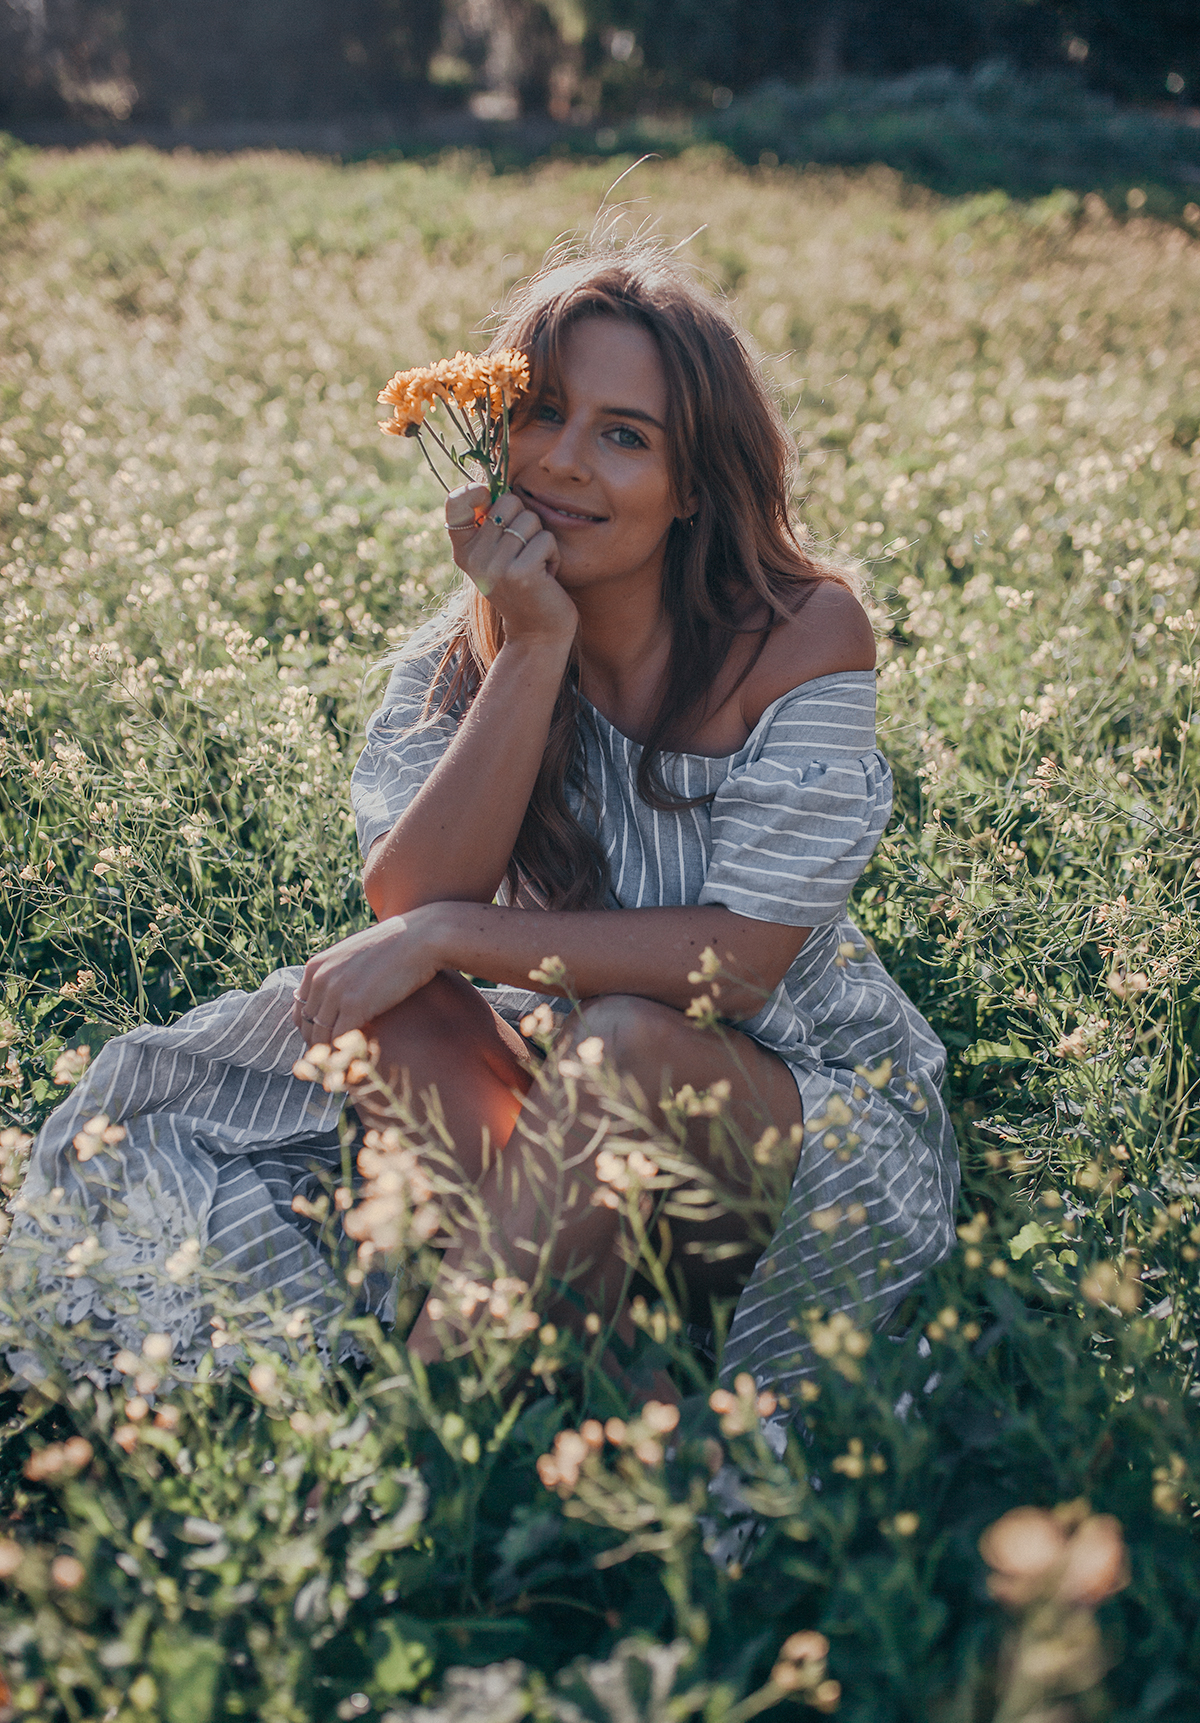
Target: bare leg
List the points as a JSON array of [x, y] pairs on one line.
[[447, 1037], [661, 1049]]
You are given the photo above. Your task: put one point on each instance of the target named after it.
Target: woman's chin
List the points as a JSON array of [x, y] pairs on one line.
[[574, 579]]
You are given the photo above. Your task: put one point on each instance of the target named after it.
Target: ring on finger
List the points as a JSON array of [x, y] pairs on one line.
[[463, 526], [515, 534], [497, 519]]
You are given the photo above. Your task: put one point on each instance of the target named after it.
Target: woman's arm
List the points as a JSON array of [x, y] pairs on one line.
[[648, 952], [455, 840]]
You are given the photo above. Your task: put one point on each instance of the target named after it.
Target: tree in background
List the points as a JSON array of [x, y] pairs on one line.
[[1137, 52], [511, 57], [1130, 48], [180, 62], [63, 56]]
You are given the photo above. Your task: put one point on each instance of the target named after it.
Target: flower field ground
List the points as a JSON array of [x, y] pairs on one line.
[[207, 550]]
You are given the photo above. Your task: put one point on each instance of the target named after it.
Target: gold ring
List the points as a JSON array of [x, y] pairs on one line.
[[463, 526], [524, 542], [498, 519]]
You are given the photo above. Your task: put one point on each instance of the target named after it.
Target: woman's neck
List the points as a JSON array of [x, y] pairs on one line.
[[624, 647]]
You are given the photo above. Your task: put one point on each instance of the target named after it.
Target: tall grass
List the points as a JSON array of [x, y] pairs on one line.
[[209, 548]]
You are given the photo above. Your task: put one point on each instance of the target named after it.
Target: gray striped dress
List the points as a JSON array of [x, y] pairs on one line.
[[219, 1137]]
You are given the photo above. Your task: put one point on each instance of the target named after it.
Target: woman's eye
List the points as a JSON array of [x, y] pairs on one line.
[[546, 413], [628, 439]]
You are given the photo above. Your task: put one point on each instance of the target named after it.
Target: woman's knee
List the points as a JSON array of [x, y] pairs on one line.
[[449, 1021], [447, 1007], [445, 1037], [637, 1033]]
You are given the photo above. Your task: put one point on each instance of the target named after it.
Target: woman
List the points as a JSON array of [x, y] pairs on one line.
[[645, 732]]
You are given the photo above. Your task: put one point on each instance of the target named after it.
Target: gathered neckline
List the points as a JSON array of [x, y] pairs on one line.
[[768, 714]]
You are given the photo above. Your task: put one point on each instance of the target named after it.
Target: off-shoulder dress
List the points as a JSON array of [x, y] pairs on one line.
[[220, 1137]]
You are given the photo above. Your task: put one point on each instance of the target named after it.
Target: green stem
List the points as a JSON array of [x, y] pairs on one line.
[[760, 1700], [449, 452], [461, 425], [133, 957], [441, 481]]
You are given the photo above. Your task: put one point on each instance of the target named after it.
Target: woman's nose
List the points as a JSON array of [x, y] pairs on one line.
[[566, 454]]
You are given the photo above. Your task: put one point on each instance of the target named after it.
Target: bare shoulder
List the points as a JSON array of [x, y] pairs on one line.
[[831, 633]]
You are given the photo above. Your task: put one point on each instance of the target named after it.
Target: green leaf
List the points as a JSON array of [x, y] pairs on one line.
[[401, 1658], [188, 1669], [997, 1052], [1030, 1235]]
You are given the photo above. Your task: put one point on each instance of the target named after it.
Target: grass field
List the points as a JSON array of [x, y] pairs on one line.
[[208, 547]]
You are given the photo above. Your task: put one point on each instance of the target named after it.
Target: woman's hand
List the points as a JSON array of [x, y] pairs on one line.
[[363, 976], [513, 561]]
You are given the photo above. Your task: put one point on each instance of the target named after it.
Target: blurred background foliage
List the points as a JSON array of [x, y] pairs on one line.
[[1028, 94]]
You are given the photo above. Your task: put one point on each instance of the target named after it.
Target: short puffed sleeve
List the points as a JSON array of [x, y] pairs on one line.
[[803, 806], [403, 744]]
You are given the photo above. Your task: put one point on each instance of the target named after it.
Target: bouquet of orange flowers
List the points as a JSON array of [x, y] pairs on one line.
[[476, 394]]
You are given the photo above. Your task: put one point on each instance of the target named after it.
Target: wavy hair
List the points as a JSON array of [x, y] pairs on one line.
[[737, 566]]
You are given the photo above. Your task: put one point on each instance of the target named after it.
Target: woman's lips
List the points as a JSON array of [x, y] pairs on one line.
[[554, 515]]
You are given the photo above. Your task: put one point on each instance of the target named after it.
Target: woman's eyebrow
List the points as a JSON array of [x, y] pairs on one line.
[[631, 413]]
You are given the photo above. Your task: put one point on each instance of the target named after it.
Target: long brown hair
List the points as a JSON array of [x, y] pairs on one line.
[[736, 566]]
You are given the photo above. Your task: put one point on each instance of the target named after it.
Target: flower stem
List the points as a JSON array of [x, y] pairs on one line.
[[503, 445], [441, 481]]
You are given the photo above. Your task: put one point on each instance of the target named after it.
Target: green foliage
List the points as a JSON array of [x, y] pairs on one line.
[[1125, 49], [13, 186], [210, 546], [1027, 134]]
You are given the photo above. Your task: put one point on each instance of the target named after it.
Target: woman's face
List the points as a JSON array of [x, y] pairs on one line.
[[591, 461]]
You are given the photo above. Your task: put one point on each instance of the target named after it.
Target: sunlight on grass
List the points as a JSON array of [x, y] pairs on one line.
[[209, 548]]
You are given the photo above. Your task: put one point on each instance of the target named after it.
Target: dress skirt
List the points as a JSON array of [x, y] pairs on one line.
[[219, 1138]]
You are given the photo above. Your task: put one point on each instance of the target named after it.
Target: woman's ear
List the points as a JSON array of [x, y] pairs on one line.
[[688, 510]]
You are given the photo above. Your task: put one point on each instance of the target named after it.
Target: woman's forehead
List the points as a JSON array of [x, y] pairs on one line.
[[610, 361]]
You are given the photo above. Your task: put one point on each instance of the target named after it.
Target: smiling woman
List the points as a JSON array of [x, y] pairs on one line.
[[643, 732]]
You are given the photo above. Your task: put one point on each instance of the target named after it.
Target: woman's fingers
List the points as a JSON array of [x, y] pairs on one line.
[[482, 529], [496, 521], [510, 555], [315, 1009], [512, 560], [517, 573], [362, 976], [466, 507], [493, 541], [499, 545]]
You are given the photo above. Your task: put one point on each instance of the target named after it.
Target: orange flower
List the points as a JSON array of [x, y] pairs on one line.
[[476, 391], [497, 378], [407, 418], [509, 371], [508, 374], [409, 394]]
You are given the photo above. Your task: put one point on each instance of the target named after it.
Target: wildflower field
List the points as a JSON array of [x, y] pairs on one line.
[[207, 548]]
